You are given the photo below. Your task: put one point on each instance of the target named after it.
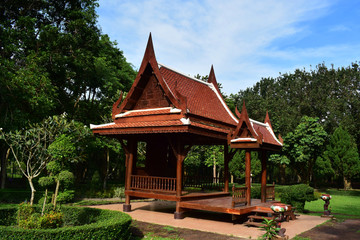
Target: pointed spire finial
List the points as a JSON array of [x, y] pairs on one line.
[[238, 114], [267, 119], [244, 111], [212, 79], [149, 52]]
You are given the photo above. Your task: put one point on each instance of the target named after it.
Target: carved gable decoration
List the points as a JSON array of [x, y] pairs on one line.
[[253, 134], [153, 96]]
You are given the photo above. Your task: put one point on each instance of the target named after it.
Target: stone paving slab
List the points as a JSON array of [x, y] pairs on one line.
[[162, 212]]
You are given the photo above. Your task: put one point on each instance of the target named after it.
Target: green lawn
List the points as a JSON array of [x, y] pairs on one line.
[[344, 204]]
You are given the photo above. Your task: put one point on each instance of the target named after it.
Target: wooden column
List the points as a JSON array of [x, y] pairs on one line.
[[247, 176], [263, 175], [226, 168], [179, 178], [131, 149]]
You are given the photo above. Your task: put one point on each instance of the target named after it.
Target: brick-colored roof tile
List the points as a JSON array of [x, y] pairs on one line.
[[202, 99]]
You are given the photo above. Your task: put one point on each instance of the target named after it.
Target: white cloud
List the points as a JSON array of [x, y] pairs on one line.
[[339, 28], [233, 35]]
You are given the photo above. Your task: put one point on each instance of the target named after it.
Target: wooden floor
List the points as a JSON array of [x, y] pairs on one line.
[[213, 202], [223, 205]]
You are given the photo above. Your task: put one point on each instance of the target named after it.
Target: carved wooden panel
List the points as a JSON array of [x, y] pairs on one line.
[[152, 96]]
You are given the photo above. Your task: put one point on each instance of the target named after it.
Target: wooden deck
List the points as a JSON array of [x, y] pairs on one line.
[[223, 205], [213, 202]]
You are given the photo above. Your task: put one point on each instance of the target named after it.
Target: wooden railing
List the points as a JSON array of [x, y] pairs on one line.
[[162, 184], [213, 183], [270, 192], [238, 195]]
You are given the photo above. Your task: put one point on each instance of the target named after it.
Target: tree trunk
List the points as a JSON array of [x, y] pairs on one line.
[[56, 192], [43, 208], [107, 167], [282, 173], [32, 190], [214, 170], [4, 161], [347, 184]]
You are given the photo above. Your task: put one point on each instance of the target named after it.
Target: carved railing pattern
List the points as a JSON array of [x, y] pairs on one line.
[[162, 184], [238, 195]]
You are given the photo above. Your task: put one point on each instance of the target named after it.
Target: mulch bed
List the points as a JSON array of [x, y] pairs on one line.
[[346, 230]]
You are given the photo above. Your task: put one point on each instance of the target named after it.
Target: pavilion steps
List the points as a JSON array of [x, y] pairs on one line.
[[256, 219]]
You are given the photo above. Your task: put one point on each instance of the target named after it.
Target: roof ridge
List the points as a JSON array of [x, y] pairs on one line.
[[213, 88], [259, 123], [192, 78]]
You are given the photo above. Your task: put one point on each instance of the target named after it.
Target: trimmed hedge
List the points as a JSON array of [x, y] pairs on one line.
[[79, 223], [297, 195]]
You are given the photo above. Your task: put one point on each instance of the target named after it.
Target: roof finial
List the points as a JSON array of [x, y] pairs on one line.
[[244, 111], [238, 114], [267, 119], [212, 79], [149, 51]]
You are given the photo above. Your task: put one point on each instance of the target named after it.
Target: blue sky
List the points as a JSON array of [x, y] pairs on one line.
[[245, 40]]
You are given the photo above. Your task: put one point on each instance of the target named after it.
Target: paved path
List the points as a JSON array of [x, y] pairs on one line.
[[162, 212]]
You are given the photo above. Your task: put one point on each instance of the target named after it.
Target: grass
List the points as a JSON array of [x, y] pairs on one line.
[[96, 202], [344, 204]]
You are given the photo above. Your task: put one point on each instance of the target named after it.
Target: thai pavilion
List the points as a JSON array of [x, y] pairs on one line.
[[171, 112]]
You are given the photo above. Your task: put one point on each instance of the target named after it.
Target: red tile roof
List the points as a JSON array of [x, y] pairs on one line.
[[266, 132], [138, 124], [202, 97], [145, 112]]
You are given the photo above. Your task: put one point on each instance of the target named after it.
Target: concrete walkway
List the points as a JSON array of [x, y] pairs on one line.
[[162, 212]]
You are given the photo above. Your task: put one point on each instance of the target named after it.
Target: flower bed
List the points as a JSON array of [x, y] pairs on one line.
[[79, 223]]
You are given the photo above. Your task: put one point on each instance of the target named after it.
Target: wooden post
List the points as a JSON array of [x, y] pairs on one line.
[[226, 168], [179, 178], [179, 169], [247, 176], [263, 176], [132, 148]]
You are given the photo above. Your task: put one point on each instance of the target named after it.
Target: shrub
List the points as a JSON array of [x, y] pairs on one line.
[[297, 195], [52, 219], [119, 192], [8, 216], [105, 225], [256, 192], [26, 216], [65, 196]]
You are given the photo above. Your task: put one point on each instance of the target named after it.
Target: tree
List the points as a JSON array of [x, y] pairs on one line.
[[54, 59], [214, 157], [343, 155], [29, 147], [304, 145], [282, 162], [237, 165]]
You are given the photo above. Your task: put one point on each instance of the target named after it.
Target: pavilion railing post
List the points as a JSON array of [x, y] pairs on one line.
[[263, 176], [247, 176]]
